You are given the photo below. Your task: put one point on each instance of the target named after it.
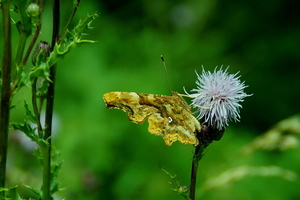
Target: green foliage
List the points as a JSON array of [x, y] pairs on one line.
[[236, 174], [29, 132], [55, 168], [182, 190], [283, 136], [41, 70], [22, 79], [72, 39], [29, 114], [38, 79], [107, 157], [11, 193], [23, 24]]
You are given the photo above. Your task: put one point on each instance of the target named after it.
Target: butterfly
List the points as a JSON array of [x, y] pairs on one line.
[[169, 116]]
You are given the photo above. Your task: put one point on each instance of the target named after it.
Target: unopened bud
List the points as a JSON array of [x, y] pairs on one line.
[[41, 52], [33, 10], [183, 189]]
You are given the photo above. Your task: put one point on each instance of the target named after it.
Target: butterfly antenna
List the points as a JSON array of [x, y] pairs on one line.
[[166, 71]]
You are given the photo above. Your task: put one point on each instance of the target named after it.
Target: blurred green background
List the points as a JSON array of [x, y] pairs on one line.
[[107, 157]]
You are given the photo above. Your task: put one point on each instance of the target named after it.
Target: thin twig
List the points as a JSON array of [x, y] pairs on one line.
[[35, 36], [69, 20]]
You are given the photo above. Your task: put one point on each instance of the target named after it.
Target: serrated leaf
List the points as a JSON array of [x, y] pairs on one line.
[[72, 39], [41, 70], [83, 24], [35, 191], [54, 186], [12, 193], [29, 113], [38, 154], [55, 168], [30, 132], [182, 190], [24, 127], [42, 88], [23, 79]]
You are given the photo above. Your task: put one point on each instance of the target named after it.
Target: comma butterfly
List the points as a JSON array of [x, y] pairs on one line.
[[168, 116]]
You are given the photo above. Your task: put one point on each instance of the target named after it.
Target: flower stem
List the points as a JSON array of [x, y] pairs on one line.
[[195, 162], [5, 92]]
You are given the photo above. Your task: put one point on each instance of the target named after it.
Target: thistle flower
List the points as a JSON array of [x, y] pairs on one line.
[[217, 97]]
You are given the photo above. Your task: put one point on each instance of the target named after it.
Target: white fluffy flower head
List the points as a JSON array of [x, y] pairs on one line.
[[217, 97]]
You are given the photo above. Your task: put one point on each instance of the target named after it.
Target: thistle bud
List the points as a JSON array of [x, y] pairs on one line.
[[41, 52], [33, 10]]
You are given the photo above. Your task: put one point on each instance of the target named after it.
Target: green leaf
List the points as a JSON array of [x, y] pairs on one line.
[[182, 190], [42, 88], [11, 193], [41, 70], [71, 40], [77, 32], [23, 79], [29, 114], [38, 154], [24, 127], [55, 168], [24, 24], [38, 192], [30, 132]]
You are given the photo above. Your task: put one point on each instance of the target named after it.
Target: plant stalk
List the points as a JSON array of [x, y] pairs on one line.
[[5, 92], [49, 108], [195, 162]]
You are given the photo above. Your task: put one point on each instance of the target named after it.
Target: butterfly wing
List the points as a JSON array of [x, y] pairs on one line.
[[130, 102], [168, 116], [175, 120]]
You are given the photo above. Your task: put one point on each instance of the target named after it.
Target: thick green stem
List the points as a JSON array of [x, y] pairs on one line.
[[5, 92], [196, 158]]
